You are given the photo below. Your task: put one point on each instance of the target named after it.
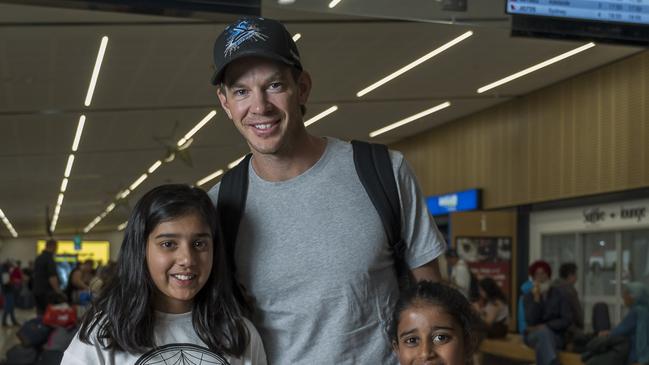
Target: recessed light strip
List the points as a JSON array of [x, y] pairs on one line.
[[296, 37], [536, 67], [414, 64], [77, 136], [209, 177], [236, 162], [321, 115], [122, 226], [333, 3], [64, 184], [95, 71], [68, 167], [410, 119], [183, 142], [196, 128], [137, 182], [6, 222], [154, 167]]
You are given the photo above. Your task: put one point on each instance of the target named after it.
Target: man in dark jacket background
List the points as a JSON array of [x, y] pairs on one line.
[[46, 280], [548, 315]]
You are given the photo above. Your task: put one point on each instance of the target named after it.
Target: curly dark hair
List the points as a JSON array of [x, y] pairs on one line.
[[492, 290], [452, 302]]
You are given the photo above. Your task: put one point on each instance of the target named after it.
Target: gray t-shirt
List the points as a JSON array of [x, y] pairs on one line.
[[313, 252]]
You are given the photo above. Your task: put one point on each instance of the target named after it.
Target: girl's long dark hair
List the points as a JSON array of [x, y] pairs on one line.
[[122, 316]]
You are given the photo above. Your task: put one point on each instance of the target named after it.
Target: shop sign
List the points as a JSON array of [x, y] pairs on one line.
[[630, 214]]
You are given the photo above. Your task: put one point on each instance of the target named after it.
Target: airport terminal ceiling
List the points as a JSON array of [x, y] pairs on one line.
[[153, 88]]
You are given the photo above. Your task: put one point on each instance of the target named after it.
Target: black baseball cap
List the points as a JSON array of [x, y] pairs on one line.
[[248, 36]]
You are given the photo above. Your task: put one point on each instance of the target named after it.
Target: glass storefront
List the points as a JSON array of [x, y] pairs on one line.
[[605, 260]]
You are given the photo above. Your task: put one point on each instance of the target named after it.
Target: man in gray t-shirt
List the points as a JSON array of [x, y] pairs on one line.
[[311, 247]]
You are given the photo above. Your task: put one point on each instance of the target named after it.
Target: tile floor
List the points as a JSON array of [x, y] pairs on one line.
[[8, 334]]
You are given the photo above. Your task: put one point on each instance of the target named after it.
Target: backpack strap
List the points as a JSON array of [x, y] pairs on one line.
[[231, 203], [374, 169]]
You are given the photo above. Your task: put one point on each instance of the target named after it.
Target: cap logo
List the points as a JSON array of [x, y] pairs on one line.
[[240, 33]]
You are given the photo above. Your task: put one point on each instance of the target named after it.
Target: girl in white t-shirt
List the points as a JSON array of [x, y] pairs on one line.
[[171, 299]]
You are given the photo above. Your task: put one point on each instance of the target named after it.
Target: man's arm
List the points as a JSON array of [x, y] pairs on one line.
[[53, 277], [54, 282], [429, 271]]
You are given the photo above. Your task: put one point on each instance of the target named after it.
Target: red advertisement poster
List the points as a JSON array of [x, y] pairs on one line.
[[488, 257]]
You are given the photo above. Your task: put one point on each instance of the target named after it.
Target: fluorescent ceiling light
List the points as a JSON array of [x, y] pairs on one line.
[[209, 177], [333, 3], [137, 182], [77, 136], [536, 67], [68, 168], [154, 166], [198, 126], [414, 64], [410, 119], [10, 228], [59, 201], [64, 184], [124, 194], [235, 162], [95, 72], [110, 207], [296, 37], [57, 210], [320, 116], [122, 226]]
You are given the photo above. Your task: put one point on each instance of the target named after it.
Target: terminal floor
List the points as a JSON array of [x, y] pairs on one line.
[[8, 334]]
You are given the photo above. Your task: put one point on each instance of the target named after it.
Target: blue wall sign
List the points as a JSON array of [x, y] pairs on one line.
[[454, 202]]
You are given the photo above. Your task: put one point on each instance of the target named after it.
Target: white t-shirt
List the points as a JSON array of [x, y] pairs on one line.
[[177, 343]]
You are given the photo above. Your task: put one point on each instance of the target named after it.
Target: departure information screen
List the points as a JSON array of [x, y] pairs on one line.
[[621, 11]]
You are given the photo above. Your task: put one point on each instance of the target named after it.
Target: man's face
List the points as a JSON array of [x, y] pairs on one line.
[[540, 276], [263, 100]]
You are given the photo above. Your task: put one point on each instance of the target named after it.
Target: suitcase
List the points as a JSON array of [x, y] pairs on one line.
[[33, 333]]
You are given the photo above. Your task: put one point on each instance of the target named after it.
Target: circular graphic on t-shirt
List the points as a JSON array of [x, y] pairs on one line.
[[181, 354]]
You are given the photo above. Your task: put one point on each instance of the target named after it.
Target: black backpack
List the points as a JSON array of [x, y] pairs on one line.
[[374, 169]]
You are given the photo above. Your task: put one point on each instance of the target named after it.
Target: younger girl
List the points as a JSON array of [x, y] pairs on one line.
[[434, 324], [170, 300]]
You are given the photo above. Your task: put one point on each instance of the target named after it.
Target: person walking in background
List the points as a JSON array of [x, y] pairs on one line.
[[9, 292], [46, 280]]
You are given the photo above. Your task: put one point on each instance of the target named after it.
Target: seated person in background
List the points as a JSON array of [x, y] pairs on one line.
[[566, 284], [493, 308], [635, 325], [526, 287], [548, 315]]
